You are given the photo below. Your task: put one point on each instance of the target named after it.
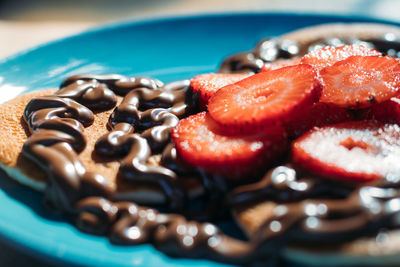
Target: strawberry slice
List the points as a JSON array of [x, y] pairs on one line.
[[388, 111], [353, 151], [203, 143], [328, 55], [265, 98], [319, 115], [280, 63], [208, 84], [360, 81]]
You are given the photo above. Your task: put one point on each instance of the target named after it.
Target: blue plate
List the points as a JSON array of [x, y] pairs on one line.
[[166, 48]]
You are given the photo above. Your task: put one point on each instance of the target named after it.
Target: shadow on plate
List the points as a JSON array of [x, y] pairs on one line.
[[28, 197], [11, 254]]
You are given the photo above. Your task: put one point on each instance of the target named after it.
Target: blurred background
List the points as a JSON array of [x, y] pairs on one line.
[[26, 23]]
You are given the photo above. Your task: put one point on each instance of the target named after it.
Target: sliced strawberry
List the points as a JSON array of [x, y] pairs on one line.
[[329, 55], [265, 98], [360, 81], [354, 151], [208, 84], [319, 115], [203, 143], [280, 63], [388, 111]]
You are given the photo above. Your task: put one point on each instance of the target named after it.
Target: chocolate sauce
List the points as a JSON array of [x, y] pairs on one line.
[[130, 224], [284, 184], [313, 208], [270, 49], [56, 125], [266, 50], [139, 127]]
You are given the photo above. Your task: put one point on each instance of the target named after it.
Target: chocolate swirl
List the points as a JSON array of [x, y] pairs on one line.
[[119, 84], [57, 125], [135, 167], [129, 224], [172, 97], [284, 184], [136, 134], [92, 94], [139, 125], [266, 50], [344, 211], [270, 49]]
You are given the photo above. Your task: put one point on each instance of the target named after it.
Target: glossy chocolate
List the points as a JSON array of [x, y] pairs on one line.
[[140, 125], [130, 224], [312, 208], [270, 49]]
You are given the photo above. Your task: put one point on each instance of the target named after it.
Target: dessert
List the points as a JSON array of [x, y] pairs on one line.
[[100, 148]]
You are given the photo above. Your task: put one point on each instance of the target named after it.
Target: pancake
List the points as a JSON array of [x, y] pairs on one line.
[[381, 249]]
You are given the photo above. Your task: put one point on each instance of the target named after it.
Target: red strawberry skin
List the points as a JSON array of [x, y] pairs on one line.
[[357, 151], [265, 99], [319, 115], [388, 111], [208, 84], [202, 143], [360, 81], [280, 63], [329, 55]]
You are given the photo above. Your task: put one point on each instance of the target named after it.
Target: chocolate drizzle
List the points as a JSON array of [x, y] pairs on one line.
[[56, 125], [134, 166], [130, 224], [307, 208], [139, 126], [270, 49], [137, 133], [266, 50], [119, 84], [283, 184]]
